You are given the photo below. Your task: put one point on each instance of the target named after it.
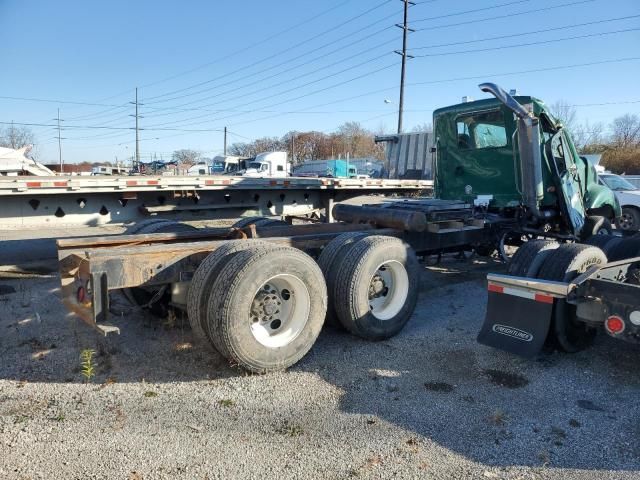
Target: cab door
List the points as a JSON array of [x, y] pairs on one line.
[[568, 180]]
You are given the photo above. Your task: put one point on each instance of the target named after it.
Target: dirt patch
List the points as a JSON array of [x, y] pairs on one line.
[[589, 405], [6, 289], [441, 387], [506, 379]]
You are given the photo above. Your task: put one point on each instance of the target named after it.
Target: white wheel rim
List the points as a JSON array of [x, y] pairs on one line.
[[280, 310], [388, 290]]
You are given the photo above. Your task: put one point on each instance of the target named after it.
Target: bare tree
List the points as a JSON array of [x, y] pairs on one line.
[[589, 138], [17, 137], [626, 131], [186, 156], [241, 149], [423, 127], [566, 113]]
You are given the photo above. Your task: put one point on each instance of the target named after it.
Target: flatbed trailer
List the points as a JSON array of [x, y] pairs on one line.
[[361, 273], [97, 200]]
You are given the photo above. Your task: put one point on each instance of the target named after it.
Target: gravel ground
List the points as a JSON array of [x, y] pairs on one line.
[[429, 403]]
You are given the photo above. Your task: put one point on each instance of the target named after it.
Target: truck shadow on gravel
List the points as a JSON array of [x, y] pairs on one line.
[[575, 411], [433, 380]]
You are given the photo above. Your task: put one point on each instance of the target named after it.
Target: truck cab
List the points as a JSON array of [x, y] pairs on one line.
[[511, 153], [228, 165], [268, 165]]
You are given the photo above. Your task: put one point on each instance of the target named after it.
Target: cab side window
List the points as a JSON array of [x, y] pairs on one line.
[[481, 130]]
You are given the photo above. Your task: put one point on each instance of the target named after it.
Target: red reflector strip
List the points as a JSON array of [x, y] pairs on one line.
[[153, 182], [211, 183], [34, 184], [516, 292], [131, 183], [543, 298], [273, 183], [59, 184]]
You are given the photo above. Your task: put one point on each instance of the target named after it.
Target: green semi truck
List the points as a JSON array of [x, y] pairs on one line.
[[510, 155], [506, 172]]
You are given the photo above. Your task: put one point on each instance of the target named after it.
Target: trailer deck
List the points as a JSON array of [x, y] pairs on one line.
[[97, 200]]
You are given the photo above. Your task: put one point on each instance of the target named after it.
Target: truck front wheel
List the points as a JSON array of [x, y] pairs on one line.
[[629, 220]]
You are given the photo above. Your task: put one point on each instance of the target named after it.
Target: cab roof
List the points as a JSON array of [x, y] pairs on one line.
[[489, 103]]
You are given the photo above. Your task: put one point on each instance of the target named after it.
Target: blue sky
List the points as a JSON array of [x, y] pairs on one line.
[[266, 67]]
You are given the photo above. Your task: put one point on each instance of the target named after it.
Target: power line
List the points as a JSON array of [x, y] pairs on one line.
[[230, 55], [475, 10], [473, 77], [69, 102], [369, 73], [202, 91], [285, 62], [282, 92], [289, 79], [274, 66], [508, 15], [100, 127], [308, 40], [546, 30], [541, 42], [344, 82], [255, 44]]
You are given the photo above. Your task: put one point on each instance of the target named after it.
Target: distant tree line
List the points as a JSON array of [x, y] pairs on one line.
[[350, 138], [618, 141]]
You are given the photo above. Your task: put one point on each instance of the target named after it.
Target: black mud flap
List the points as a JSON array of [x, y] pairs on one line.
[[516, 324]]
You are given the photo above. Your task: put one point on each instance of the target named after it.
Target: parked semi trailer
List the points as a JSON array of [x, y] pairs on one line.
[[260, 291], [68, 201]]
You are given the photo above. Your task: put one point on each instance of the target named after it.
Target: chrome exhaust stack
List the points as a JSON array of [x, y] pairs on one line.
[[528, 148]]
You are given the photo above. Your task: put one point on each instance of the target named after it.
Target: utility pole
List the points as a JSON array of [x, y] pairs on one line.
[[137, 116], [293, 148], [225, 141], [60, 143], [405, 29]]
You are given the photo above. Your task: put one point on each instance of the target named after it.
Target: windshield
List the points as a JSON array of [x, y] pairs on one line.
[[218, 166], [616, 182], [255, 165]]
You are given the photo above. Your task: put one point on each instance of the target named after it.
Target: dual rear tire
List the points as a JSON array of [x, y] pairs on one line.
[[262, 306], [372, 283]]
